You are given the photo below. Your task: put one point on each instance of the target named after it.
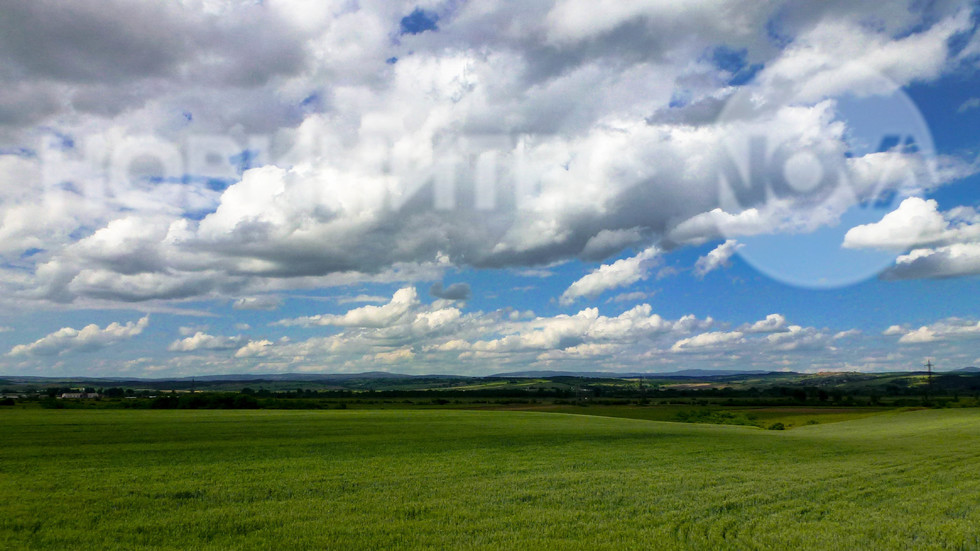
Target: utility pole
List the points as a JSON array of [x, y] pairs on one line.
[[929, 383]]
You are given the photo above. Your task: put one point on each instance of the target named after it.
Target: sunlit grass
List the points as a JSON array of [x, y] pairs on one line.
[[760, 416], [483, 480]]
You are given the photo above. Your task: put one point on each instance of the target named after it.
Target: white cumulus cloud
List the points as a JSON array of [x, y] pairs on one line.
[[710, 340], [949, 329], [943, 244], [717, 258], [89, 338], [204, 341], [772, 324], [610, 276], [402, 302]]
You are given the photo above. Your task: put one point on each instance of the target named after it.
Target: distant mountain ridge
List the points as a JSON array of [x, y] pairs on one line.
[[971, 369], [687, 373], [385, 375], [389, 375], [239, 377]]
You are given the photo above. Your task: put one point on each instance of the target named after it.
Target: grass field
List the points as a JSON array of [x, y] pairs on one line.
[[362, 479], [789, 417]]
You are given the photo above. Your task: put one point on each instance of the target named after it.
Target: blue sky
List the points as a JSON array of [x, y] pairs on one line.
[[441, 187]]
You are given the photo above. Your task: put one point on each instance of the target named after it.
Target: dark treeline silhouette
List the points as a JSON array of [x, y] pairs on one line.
[[768, 390]]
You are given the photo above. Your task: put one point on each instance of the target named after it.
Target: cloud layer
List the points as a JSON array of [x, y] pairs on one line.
[[87, 339], [943, 244], [228, 157], [421, 337], [550, 134]]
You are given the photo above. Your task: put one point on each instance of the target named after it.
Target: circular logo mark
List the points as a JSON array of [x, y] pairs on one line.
[[798, 172]]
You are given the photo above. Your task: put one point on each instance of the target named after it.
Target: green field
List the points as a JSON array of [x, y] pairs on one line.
[[363, 479], [763, 417]]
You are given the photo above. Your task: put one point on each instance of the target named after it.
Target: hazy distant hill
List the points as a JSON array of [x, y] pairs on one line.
[[963, 380], [697, 373], [971, 369], [300, 376]]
